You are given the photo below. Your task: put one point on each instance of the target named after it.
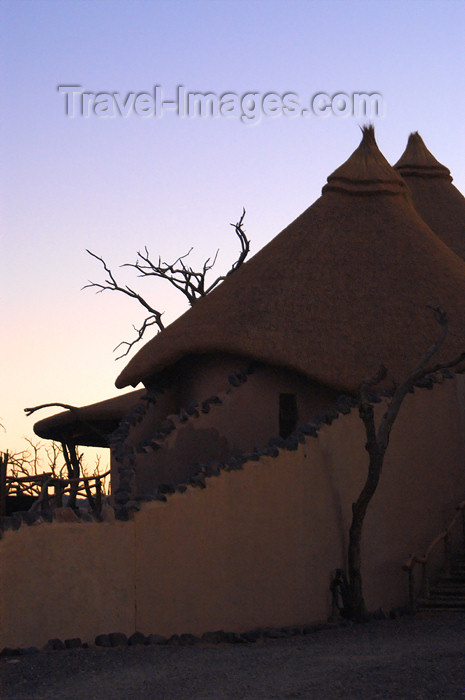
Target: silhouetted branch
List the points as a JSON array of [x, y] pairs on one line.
[[191, 283], [30, 411], [73, 409]]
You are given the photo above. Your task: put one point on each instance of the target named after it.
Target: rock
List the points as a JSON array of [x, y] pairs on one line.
[[277, 441], [16, 521], [118, 639], [198, 481], [272, 633], [251, 636], [214, 400], [270, 451], [133, 505], [379, 614], [9, 651], [102, 640], [233, 463], [108, 514], [54, 645], [5, 522], [28, 651], [425, 383], [121, 514], [291, 443], [160, 497], [166, 488], [155, 639], [213, 469], [317, 627], [30, 518], [167, 426], [122, 497], [74, 643], [234, 638], [173, 640], [65, 515], [136, 638], [234, 380], [252, 456], [186, 640], [214, 637]]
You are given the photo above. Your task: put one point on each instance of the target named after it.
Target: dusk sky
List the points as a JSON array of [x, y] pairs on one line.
[[114, 184]]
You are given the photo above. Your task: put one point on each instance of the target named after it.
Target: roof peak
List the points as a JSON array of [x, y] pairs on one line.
[[366, 171], [418, 160]]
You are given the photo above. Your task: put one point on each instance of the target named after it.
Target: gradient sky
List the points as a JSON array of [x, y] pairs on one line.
[[115, 185]]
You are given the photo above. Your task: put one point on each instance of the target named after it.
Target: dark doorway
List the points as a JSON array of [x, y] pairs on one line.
[[287, 414]]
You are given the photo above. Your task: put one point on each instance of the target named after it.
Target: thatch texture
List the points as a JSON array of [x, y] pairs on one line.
[[88, 425], [342, 289], [434, 196]]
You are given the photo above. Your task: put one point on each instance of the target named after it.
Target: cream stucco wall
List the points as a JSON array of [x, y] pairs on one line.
[[257, 547]]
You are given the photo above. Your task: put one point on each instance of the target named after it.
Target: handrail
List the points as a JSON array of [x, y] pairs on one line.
[[38, 478], [413, 559]]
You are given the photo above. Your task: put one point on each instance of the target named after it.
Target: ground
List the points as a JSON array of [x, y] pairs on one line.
[[413, 657]]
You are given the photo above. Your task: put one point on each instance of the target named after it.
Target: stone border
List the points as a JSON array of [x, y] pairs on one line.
[[259, 634], [125, 455]]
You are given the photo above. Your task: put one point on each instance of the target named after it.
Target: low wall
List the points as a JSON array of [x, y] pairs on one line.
[[66, 580], [257, 547]]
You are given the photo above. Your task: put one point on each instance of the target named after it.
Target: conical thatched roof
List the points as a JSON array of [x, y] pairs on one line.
[[343, 288], [434, 196], [88, 425]]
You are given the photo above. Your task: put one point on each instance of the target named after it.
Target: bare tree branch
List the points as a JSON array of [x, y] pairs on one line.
[[73, 409], [149, 321], [112, 285], [30, 411], [189, 282]]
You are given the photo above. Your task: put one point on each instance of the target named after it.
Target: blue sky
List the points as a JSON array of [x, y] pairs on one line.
[[115, 185]]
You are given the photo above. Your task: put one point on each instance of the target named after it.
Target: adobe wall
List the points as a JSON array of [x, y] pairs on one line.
[[66, 580], [246, 419], [257, 547]]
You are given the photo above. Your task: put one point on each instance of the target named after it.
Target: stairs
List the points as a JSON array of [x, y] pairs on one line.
[[448, 590]]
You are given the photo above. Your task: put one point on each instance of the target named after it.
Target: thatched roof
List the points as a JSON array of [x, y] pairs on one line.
[[88, 425], [434, 196], [343, 288]]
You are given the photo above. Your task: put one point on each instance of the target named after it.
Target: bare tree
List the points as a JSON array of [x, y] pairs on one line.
[[191, 283], [32, 471], [376, 446]]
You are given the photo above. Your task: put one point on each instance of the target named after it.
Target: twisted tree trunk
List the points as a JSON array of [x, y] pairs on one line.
[[376, 446]]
